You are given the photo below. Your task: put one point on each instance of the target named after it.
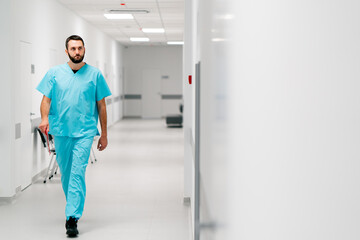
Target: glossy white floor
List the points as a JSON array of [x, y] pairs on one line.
[[134, 191]]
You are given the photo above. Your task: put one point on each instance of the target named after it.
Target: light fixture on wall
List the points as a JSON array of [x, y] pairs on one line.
[[153, 30], [139, 39]]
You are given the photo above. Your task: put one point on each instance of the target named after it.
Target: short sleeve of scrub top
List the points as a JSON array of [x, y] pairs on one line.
[[102, 89], [46, 84]]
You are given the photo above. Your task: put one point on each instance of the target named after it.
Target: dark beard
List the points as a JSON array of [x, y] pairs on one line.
[[76, 61]]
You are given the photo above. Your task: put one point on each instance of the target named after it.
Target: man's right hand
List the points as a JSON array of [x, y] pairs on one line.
[[44, 126], [44, 110]]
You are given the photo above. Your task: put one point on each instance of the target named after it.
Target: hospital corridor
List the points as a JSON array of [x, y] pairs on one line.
[[134, 191], [180, 119]]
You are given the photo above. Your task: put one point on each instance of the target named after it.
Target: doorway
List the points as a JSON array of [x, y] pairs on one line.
[[151, 93], [22, 110]]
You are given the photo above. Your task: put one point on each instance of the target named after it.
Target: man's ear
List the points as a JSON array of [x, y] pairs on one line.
[[66, 51]]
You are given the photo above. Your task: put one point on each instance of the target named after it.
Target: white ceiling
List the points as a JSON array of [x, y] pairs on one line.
[[167, 14]]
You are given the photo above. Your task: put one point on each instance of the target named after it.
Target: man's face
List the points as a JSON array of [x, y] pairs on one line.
[[75, 51]]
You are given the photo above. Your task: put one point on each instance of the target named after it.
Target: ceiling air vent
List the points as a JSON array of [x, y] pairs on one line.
[[128, 11]]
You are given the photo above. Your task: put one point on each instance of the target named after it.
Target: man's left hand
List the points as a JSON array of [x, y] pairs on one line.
[[102, 144]]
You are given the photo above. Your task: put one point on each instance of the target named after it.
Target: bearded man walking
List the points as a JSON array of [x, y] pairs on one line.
[[74, 99]]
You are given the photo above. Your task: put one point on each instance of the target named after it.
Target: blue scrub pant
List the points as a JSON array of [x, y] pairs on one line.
[[72, 155]]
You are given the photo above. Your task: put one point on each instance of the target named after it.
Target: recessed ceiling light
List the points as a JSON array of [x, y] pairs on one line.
[[229, 16], [225, 17], [218, 39], [118, 16], [175, 43], [139, 39], [153, 30]]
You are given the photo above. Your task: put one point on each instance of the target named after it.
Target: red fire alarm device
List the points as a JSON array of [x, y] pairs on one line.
[[190, 79]]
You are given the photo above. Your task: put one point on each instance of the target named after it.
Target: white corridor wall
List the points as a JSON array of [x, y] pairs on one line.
[[44, 25], [6, 136], [280, 132], [168, 61]]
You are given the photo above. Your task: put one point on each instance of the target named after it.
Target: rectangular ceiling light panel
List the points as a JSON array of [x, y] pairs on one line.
[[139, 39], [175, 43]]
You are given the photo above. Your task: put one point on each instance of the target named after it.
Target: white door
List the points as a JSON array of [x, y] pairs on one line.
[[23, 94], [151, 94]]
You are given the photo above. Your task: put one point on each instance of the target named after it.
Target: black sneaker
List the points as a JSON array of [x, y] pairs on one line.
[[71, 227]]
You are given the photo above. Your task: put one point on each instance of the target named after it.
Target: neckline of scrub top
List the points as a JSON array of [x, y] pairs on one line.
[[70, 69]]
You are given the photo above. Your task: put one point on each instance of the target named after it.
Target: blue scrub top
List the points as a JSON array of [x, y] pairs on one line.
[[73, 108]]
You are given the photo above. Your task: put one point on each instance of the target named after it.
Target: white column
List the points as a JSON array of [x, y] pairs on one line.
[[187, 96], [188, 70]]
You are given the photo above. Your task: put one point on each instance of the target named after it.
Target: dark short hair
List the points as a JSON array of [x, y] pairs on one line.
[[73, 37]]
